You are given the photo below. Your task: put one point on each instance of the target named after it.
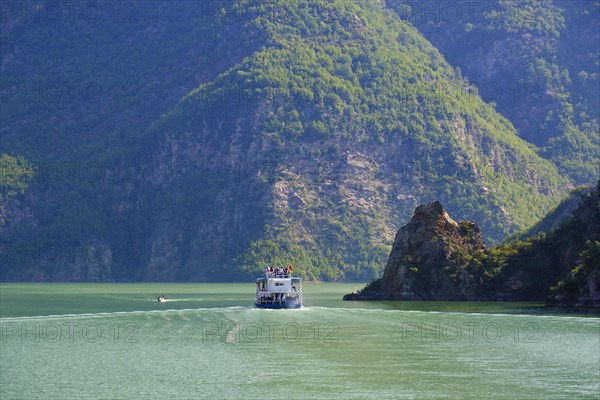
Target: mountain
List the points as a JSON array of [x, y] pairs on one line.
[[537, 62], [436, 258], [239, 134], [554, 218], [429, 258]]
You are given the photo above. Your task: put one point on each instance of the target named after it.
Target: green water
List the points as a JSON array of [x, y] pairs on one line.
[[208, 342]]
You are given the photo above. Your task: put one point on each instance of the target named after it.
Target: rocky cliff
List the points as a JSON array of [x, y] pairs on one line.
[[430, 258], [436, 258]]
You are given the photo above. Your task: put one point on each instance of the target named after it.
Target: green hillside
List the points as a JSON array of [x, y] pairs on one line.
[[537, 60], [305, 133]]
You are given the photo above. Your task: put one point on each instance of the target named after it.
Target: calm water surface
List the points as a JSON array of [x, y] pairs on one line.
[[208, 342]]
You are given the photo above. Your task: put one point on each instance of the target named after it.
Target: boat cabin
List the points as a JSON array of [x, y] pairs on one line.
[[278, 290]]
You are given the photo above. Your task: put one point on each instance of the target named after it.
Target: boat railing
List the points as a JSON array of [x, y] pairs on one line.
[[292, 291], [279, 275]]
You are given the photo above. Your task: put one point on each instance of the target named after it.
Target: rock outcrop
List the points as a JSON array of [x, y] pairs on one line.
[[429, 260], [436, 258]]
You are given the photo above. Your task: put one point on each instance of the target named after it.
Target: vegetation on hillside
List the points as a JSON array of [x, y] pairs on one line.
[[538, 61], [15, 174], [305, 133]]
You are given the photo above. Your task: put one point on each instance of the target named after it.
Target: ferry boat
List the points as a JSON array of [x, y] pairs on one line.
[[278, 289]]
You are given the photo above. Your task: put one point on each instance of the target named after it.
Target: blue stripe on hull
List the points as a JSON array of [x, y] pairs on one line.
[[279, 306]]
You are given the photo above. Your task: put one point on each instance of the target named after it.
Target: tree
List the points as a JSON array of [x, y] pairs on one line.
[[15, 173]]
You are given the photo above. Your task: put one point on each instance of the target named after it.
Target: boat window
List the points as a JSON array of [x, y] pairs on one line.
[[278, 283]]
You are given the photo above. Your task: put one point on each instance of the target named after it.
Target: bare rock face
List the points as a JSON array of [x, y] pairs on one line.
[[429, 260]]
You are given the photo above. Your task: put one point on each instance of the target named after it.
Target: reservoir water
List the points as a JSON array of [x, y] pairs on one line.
[[115, 341]]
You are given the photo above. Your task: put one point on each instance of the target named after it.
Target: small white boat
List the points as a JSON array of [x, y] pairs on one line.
[[162, 298], [278, 289]]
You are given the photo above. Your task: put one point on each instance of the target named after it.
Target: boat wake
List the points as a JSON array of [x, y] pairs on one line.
[[117, 314], [176, 300], [443, 313]]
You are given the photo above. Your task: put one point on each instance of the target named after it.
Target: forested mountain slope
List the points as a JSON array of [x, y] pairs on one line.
[[538, 61], [305, 133]]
